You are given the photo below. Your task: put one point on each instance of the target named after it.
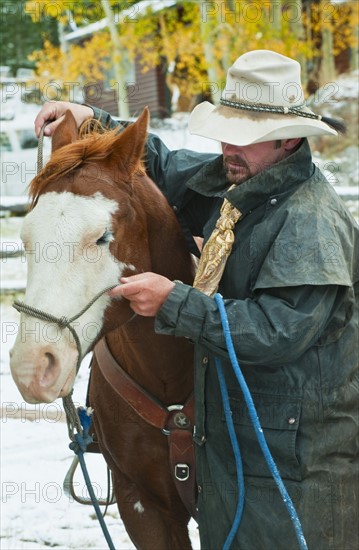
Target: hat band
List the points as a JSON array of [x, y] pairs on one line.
[[269, 108]]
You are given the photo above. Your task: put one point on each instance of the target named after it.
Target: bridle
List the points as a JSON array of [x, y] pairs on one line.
[[62, 322], [73, 421]]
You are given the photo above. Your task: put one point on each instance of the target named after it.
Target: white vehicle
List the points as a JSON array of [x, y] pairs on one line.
[[19, 154]]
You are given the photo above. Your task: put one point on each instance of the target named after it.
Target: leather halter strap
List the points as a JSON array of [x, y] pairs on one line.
[[175, 421]]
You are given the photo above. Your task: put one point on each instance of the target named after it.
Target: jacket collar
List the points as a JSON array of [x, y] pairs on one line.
[[280, 178]]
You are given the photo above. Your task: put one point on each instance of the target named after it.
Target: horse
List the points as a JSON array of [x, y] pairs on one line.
[[96, 216]]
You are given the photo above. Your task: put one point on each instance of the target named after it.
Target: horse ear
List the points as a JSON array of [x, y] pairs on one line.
[[129, 146], [65, 133]]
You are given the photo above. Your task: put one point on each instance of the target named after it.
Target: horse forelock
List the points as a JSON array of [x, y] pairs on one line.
[[92, 147]]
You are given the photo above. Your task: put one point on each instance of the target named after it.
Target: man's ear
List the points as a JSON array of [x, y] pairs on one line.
[[291, 144]]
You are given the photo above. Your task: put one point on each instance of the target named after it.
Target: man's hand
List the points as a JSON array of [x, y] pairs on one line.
[[55, 110], [146, 292]]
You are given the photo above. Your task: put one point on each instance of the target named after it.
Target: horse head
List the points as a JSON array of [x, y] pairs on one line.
[[95, 216]]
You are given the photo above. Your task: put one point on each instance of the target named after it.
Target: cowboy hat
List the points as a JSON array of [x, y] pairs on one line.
[[263, 101]]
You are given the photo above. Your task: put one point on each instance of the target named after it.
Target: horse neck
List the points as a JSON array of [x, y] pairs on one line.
[[167, 246], [164, 366]]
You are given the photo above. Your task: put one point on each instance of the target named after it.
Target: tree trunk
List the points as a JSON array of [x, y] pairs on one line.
[[297, 27], [212, 86], [327, 73], [277, 15], [123, 111]]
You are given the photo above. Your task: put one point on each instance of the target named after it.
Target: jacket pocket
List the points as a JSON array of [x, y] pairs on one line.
[[279, 418]]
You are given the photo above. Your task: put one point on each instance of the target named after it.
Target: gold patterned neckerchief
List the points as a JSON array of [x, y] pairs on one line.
[[217, 250]]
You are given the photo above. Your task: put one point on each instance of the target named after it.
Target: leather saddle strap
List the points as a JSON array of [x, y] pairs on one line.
[[177, 424], [142, 402], [182, 454], [183, 466]]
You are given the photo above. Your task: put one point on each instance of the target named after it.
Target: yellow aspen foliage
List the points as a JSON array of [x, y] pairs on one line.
[[340, 19], [198, 41], [50, 67], [173, 35], [181, 36], [73, 69]]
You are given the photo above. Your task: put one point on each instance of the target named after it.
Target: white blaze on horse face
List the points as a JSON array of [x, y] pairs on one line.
[[69, 262]]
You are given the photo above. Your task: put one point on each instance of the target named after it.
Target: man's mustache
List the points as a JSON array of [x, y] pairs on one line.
[[235, 159]]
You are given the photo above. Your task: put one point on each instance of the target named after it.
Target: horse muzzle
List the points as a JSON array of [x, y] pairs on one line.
[[41, 374]]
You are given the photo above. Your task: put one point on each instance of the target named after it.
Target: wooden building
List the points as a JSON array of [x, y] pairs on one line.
[[147, 89], [142, 88]]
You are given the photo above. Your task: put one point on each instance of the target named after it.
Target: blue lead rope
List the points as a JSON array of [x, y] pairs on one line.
[[237, 455], [259, 433], [79, 447]]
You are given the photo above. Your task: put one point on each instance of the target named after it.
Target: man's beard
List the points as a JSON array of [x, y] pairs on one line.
[[236, 168]]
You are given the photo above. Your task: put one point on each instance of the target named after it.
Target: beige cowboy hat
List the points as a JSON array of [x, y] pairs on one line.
[[263, 101]]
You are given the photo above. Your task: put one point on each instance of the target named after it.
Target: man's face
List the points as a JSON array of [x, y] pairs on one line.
[[241, 163]]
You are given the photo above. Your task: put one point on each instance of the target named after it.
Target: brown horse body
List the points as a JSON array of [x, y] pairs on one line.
[[146, 237]]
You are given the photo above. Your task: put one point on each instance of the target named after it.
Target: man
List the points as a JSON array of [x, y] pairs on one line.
[[288, 285]]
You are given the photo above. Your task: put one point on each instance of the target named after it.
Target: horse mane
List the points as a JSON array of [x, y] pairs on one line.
[[94, 145]]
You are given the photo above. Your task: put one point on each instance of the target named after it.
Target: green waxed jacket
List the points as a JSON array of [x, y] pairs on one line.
[[289, 292]]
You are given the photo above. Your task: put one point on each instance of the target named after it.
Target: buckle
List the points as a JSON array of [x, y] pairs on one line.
[[171, 408], [182, 472]]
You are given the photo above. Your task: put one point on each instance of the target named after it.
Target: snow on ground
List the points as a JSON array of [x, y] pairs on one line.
[[35, 511]]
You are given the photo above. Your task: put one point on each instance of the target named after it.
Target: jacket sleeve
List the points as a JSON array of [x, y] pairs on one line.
[[276, 328], [106, 119]]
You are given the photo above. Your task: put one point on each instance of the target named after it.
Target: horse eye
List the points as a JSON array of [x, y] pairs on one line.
[[106, 238]]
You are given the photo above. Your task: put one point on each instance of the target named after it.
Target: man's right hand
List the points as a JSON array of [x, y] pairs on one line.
[[55, 110]]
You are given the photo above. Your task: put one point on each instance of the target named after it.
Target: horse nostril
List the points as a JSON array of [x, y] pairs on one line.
[[50, 371], [51, 358]]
